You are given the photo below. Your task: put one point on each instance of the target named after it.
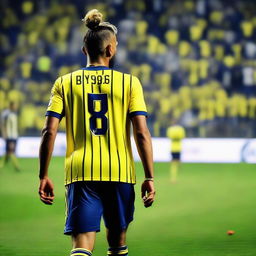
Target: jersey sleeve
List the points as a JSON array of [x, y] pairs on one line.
[[56, 106], [137, 104]]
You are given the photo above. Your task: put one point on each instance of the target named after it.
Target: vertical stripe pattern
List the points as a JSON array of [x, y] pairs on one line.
[[130, 98], [91, 146], [84, 123], [101, 101], [64, 107], [124, 130], [109, 134], [72, 124]]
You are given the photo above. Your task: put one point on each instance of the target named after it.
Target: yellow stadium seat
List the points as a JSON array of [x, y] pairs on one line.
[[172, 37], [153, 43], [26, 68], [3, 101], [135, 70], [189, 5], [219, 52], [44, 64], [195, 32], [162, 49], [27, 117], [242, 106], [40, 117], [205, 48], [141, 28], [229, 61], [15, 95], [237, 49], [252, 108], [220, 108], [184, 48], [27, 7], [165, 105], [33, 38], [145, 71], [247, 28], [202, 23], [5, 84], [216, 17], [203, 68], [63, 70]]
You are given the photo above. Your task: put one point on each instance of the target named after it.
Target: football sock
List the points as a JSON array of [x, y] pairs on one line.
[[80, 252], [15, 162], [116, 251], [174, 170], [4, 161]]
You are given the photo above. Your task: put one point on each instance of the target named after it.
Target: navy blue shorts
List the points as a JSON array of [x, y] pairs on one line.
[[10, 145], [88, 201], [175, 155]]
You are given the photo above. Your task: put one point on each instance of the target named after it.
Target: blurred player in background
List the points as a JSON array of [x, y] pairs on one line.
[[99, 104], [9, 129], [176, 133]]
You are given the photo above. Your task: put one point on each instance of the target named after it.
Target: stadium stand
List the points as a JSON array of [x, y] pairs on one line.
[[195, 59]]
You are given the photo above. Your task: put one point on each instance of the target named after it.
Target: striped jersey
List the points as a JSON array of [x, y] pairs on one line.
[[10, 124], [176, 133], [97, 103]]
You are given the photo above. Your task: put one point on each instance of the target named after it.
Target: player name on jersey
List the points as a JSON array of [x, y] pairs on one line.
[[93, 79]]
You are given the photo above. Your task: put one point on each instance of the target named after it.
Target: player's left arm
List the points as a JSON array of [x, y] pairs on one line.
[[49, 133], [53, 116], [137, 113]]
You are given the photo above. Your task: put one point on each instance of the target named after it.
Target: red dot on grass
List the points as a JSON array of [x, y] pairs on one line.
[[230, 232]]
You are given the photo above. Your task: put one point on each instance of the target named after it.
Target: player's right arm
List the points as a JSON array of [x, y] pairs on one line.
[[49, 133]]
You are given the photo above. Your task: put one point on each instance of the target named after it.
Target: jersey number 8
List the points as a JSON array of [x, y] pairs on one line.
[[103, 99]]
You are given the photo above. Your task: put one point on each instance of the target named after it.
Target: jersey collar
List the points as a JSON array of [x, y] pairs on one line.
[[96, 68]]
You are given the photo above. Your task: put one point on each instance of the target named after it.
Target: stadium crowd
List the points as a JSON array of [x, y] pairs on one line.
[[195, 59]]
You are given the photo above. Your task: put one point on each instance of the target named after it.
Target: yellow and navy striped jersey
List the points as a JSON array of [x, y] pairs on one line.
[[176, 133], [97, 103], [9, 124]]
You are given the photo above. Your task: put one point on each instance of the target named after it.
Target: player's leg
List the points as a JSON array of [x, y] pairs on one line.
[[174, 171], [11, 154], [6, 156], [118, 209], [174, 167], [15, 162], [83, 244], [3, 161], [84, 211], [117, 242], [116, 237]]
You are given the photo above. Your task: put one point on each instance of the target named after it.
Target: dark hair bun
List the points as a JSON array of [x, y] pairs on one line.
[[92, 19]]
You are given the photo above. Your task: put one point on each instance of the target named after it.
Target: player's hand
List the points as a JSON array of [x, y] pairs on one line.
[[46, 191], [148, 192]]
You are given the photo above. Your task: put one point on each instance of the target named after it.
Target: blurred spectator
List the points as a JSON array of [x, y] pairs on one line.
[[196, 59]]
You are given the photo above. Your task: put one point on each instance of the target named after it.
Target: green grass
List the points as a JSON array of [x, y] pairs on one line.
[[189, 218]]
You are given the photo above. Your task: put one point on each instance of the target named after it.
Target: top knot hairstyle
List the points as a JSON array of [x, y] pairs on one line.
[[98, 33], [92, 19]]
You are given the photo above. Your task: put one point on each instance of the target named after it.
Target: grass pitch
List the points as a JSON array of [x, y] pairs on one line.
[[189, 218]]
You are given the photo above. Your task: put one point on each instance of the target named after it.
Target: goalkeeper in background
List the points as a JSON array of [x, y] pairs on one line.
[[176, 133]]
